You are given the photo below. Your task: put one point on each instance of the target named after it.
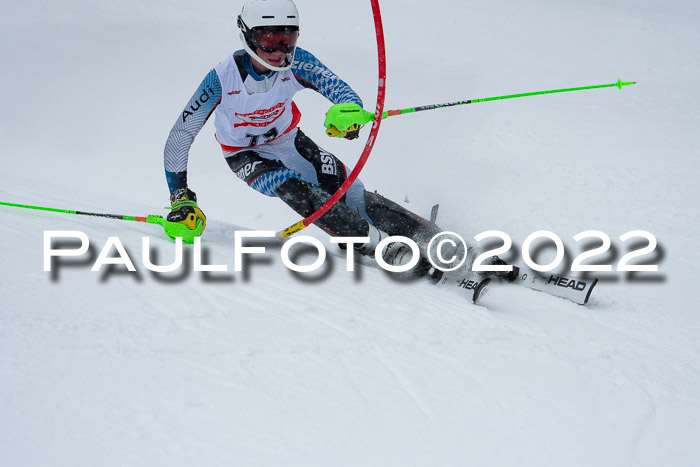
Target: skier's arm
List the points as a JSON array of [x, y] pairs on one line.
[[189, 123], [312, 74]]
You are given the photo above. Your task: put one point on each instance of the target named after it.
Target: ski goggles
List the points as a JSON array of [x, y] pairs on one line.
[[272, 41]]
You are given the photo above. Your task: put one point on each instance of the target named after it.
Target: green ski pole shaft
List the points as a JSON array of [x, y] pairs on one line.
[[172, 229], [81, 213], [390, 113]]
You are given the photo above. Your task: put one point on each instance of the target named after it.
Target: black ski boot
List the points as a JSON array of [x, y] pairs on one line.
[[508, 276]]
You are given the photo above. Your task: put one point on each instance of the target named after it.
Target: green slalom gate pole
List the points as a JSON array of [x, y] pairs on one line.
[[390, 113], [172, 229]]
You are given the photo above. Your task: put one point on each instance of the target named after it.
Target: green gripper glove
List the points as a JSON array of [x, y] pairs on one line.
[[184, 209], [345, 120]]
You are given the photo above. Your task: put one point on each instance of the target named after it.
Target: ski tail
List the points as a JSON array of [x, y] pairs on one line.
[[575, 289]]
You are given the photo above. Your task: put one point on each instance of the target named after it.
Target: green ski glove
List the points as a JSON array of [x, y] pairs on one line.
[[345, 120], [184, 209]]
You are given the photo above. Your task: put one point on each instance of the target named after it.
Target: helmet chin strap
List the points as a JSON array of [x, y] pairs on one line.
[[290, 60]]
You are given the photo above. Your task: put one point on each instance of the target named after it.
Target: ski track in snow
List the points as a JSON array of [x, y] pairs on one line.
[[266, 367]]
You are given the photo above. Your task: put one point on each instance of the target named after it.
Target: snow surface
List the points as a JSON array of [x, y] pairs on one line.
[[266, 367]]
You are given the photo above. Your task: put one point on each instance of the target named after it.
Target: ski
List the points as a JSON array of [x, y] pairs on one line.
[[575, 289]]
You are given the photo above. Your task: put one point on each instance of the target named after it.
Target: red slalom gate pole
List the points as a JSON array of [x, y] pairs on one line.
[[379, 109]]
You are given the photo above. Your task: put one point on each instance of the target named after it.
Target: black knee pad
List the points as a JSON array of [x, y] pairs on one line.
[[306, 198], [397, 220]]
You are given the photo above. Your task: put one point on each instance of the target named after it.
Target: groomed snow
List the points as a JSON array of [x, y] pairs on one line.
[[266, 367]]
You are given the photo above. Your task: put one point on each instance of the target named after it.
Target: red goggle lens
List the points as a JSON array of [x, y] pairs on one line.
[[273, 41]]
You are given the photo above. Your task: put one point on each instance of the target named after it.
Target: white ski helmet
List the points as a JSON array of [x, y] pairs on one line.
[[270, 25]]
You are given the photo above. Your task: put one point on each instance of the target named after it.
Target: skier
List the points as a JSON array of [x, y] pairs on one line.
[[250, 94]]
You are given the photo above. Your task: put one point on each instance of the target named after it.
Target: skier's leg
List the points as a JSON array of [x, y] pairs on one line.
[[397, 220], [305, 176], [330, 172], [383, 213], [387, 218], [306, 198], [291, 180]]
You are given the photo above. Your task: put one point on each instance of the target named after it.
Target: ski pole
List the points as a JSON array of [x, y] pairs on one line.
[[390, 113], [172, 229]]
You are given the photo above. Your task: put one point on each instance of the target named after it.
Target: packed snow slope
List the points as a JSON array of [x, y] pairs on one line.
[[267, 367]]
